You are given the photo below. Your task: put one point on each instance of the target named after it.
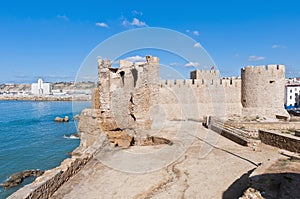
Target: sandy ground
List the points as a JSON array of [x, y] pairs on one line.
[[211, 167]]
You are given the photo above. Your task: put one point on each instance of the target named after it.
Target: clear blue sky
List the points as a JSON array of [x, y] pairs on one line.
[[51, 38]]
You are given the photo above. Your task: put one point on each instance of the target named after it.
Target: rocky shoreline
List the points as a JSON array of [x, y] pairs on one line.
[[18, 178]]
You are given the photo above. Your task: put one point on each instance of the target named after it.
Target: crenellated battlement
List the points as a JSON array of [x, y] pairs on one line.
[[271, 68], [201, 74], [193, 83]]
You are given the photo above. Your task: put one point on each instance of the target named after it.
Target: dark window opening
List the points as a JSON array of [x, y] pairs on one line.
[[122, 73]]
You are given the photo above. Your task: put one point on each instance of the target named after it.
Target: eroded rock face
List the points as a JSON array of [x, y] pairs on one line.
[[18, 178], [120, 138]]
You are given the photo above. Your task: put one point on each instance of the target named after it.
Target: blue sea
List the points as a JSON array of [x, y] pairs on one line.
[[30, 139]]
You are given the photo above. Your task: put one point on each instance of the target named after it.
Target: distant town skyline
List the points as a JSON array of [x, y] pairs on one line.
[[50, 39]]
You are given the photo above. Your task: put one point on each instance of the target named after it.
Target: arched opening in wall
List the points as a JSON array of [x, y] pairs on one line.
[[122, 74], [212, 82], [272, 81]]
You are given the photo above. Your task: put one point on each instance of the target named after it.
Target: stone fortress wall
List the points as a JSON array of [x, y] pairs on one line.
[[133, 97], [135, 89], [204, 94]]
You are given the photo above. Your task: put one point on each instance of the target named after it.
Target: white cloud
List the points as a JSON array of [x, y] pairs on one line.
[[197, 45], [135, 22], [196, 32], [255, 58], [277, 46], [102, 24], [136, 58], [135, 12], [174, 64], [63, 17], [192, 64]]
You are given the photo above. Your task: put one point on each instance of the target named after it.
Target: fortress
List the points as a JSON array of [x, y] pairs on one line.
[[133, 97], [131, 102]]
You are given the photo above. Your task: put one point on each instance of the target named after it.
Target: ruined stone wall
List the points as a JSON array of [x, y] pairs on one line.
[[263, 90], [127, 93]]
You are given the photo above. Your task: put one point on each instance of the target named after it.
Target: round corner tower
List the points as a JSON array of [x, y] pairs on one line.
[[263, 91]]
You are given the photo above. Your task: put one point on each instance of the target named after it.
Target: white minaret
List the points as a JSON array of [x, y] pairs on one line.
[[40, 86]]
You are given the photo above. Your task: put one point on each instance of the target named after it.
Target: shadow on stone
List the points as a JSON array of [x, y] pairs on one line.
[[237, 188], [271, 186]]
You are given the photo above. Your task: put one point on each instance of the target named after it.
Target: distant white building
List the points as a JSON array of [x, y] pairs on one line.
[[40, 88], [292, 93]]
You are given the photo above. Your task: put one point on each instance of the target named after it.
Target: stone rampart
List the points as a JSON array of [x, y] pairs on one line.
[[194, 99], [266, 125]]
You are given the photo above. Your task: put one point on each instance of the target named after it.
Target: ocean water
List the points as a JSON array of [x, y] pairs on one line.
[[30, 139]]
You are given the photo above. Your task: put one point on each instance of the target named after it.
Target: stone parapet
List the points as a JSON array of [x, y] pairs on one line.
[[280, 140], [45, 185]]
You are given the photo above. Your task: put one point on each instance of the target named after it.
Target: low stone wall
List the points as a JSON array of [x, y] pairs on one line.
[[266, 125], [280, 140], [229, 135], [45, 185]]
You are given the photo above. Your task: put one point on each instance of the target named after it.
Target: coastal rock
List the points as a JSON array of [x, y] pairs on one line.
[[66, 119], [18, 178], [76, 117], [59, 119]]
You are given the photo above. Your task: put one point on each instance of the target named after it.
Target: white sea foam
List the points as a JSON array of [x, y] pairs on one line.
[[71, 137]]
